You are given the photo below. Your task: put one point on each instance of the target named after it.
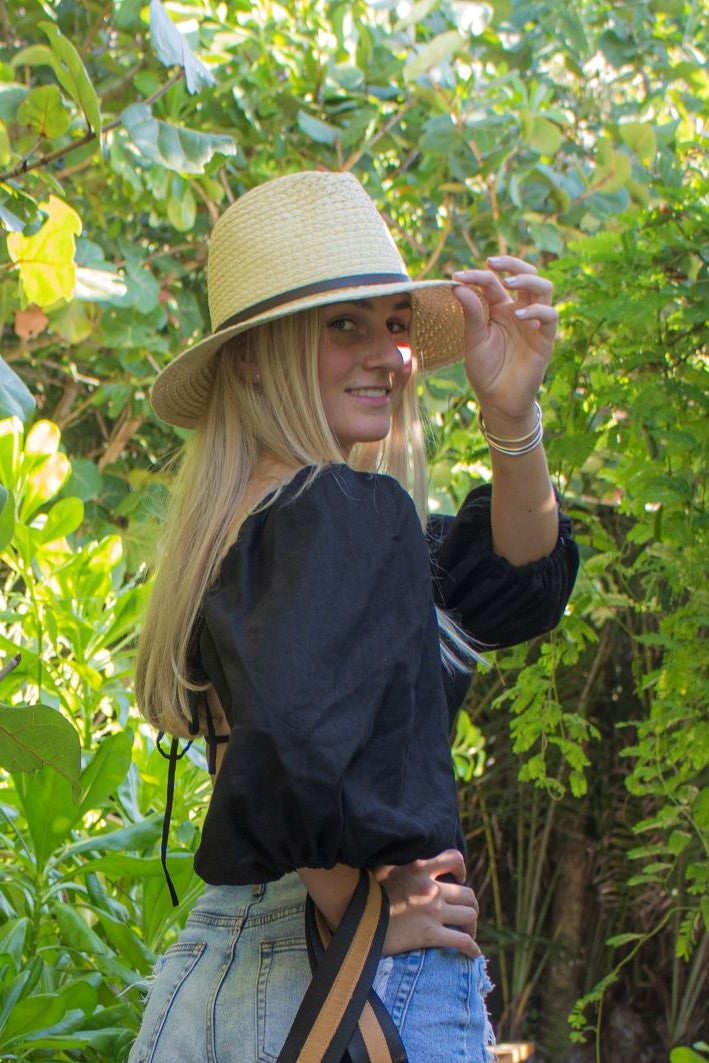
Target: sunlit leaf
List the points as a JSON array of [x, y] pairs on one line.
[[44, 112], [46, 258], [640, 138], [436, 51], [172, 49], [72, 76], [7, 516], [34, 737], [183, 150]]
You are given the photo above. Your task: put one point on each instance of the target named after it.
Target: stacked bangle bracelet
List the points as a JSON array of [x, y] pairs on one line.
[[515, 448]]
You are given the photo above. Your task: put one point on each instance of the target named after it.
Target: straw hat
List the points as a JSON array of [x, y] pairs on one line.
[[297, 242]]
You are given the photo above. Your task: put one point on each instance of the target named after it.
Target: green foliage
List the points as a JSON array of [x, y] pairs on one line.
[[570, 134]]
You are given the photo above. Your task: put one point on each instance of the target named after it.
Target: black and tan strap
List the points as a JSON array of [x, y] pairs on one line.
[[341, 1020]]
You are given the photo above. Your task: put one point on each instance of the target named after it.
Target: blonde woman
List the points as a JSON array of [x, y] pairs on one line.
[[309, 621]]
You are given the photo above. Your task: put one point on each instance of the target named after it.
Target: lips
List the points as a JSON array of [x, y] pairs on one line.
[[374, 393]]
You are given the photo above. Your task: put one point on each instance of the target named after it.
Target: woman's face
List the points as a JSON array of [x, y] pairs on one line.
[[364, 363]]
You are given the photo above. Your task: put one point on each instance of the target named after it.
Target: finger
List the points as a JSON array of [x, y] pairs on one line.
[[449, 862], [461, 895], [462, 918], [509, 262], [545, 316], [487, 281], [530, 285], [447, 938]]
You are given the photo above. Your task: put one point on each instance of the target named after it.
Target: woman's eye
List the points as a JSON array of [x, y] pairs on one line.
[[397, 327], [343, 324]]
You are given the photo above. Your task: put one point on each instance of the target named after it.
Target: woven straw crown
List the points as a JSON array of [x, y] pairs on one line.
[[297, 242]]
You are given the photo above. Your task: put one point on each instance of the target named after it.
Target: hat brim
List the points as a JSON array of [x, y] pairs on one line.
[[180, 392]]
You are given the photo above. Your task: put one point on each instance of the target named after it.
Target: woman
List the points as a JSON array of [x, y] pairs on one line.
[[304, 622]]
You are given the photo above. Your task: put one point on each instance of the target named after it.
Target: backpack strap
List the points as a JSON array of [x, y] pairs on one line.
[[341, 1019]]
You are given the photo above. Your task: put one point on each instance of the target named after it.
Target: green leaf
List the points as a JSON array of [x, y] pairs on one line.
[[7, 516], [15, 399], [71, 75], [183, 150], [640, 138], [320, 132], [686, 1055], [11, 96], [542, 135], [44, 112], [35, 736], [436, 51], [34, 55], [172, 49], [64, 517], [622, 939], [106, 770]]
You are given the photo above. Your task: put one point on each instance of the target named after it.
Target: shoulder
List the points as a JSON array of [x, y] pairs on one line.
[[341, 497]]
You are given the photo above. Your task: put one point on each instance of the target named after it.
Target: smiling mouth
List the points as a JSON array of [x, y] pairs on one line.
[[375, 393]]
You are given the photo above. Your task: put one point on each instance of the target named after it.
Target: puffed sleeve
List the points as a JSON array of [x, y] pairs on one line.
[[498, 603], [320, 640]]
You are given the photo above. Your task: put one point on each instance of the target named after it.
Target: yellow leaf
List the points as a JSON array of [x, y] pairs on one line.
[[46, 258], [43, 438]]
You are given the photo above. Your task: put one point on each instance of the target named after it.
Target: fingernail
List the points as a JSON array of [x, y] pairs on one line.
[[495, 261], [520, 313]]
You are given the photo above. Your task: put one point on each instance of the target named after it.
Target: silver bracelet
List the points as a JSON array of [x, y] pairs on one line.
[[514, 448]]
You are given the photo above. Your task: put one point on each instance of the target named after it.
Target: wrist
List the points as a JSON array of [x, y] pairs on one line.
[[503, 425]]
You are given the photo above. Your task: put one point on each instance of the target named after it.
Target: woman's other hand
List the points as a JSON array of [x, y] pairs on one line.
[[425, 912], [510, 327]]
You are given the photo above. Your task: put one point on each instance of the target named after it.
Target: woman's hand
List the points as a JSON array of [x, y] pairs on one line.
[[508, 341], [427, 913]]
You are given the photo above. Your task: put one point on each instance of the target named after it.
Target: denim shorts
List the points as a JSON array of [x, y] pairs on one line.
[[228, 990]]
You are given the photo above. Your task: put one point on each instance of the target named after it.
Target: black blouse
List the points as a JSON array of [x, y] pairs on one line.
[[322, 642]]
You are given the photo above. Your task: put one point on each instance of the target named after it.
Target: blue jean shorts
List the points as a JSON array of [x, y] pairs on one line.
[[228, 990]]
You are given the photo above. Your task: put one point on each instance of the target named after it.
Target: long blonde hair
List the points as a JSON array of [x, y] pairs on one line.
[[264, 401]]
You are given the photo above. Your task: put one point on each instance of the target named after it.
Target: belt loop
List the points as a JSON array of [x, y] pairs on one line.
[[258, 890]]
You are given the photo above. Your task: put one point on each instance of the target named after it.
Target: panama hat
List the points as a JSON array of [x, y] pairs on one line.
[[296, 242]]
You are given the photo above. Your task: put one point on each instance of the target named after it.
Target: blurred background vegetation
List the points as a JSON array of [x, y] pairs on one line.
[[572, 132]]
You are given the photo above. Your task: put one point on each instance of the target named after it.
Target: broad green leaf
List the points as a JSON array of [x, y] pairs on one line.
[[15, 399], [613, 170], [64, 517], [436, 51], [542, 135], [44, 112], [172, 49], [183, 150], [106, 770], [11, 96], [42, 1011], [320, 132], [34, 55], [46, 258], [686, 1055], [72, 76], [34, 737], [132, 838], [640, 138], [182, 210], [51, 809]]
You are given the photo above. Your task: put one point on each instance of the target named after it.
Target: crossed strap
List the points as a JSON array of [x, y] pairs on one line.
[[341, 1019]]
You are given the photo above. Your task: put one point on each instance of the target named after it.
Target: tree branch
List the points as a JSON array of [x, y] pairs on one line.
[[44, 160]]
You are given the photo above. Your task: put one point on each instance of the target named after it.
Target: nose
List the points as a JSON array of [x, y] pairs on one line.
[[388, 351]]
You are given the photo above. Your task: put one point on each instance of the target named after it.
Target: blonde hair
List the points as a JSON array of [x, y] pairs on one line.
[[264, 401]]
